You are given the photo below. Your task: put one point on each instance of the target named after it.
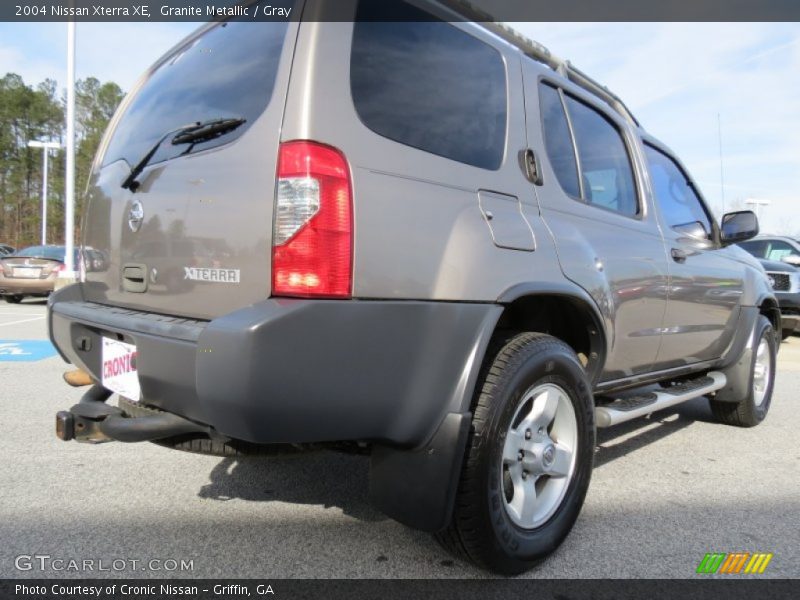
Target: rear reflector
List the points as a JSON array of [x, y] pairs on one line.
[[312, 243]]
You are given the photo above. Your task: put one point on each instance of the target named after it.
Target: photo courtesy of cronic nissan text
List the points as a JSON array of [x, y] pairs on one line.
[[399, 298]]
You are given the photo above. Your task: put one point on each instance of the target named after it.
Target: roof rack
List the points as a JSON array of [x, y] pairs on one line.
[[541, 54]]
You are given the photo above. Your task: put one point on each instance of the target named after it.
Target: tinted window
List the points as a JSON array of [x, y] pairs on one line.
[[558, 140], [757, 248], [51, 252], [605, 166], [425, 83], [229, 72], [778, 249], [680, 206], [48, 252]]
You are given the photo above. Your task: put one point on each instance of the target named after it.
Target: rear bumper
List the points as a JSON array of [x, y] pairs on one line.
[[295, 371], [14, 286]]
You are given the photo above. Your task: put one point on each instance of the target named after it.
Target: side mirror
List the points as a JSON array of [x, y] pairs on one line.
[[739, 226], [792, 259]]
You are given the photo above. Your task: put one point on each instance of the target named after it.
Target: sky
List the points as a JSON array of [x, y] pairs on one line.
[[687, 83]]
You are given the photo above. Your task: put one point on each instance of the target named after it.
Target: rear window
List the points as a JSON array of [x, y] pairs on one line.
[[50, 252], [228, 72], [558, 140], [427, 84], [604, 163], [587, 153]]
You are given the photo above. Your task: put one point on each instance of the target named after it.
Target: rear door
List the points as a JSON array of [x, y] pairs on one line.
[[194, 238], [705, 284], [594, 204]]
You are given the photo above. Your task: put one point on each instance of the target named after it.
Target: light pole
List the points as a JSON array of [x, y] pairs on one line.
[[46, 147], [69, 208], [757, 203]]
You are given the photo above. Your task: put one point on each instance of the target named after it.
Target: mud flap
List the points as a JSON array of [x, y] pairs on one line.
[[417, 487]]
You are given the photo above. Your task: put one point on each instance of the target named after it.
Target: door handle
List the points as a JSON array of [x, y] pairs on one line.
[[134, 278], [678, 255], [532, 167]]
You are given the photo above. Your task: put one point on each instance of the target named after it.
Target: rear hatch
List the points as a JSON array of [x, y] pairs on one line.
[[189, 233]]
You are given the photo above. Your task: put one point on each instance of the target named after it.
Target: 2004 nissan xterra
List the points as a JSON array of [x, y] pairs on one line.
[[417, 236]]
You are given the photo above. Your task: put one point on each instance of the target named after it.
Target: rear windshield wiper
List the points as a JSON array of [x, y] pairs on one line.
[[201, 131], [206, 131]]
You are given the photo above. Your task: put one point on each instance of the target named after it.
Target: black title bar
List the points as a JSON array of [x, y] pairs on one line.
[[499, 10], [735, 588]]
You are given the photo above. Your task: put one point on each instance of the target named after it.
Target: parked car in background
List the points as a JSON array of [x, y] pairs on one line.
[[774, 247], [94, 260], [785, 282], [6, 250], [31, 271]]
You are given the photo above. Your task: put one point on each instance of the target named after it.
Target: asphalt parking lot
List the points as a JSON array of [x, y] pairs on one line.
[[665, 491]]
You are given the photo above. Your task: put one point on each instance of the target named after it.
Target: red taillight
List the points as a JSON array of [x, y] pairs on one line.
[[312, 244]]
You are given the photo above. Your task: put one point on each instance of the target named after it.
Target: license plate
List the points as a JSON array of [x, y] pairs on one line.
[[27, 272], [119, 369]]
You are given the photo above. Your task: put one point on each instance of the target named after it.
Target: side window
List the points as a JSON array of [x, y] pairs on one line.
[[427, 84], [680, 206], [757, 248], [558, 140], [777, 250], [605, 166]]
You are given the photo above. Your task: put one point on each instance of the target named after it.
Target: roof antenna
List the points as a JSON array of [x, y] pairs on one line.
[[721, 169]]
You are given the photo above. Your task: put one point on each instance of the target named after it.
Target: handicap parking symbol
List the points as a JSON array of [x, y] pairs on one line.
[[25, 350]]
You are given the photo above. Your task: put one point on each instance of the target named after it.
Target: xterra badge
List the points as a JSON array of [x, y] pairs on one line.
[[211, 275]]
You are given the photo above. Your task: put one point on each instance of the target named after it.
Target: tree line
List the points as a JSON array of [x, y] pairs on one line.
[[37, 112]]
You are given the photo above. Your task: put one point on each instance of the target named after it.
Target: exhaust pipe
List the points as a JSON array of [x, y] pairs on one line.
[[93, 421], [145, 429]]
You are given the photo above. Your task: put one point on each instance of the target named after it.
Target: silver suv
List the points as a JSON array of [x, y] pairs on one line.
[[409, 235]]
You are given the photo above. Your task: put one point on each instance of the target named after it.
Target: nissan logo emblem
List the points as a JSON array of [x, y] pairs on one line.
[[136, 216]]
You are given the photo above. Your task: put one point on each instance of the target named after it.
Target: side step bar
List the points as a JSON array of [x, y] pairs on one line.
[[635, 406]]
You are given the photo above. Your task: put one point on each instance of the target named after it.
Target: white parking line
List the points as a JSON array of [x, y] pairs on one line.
[[21, 321]]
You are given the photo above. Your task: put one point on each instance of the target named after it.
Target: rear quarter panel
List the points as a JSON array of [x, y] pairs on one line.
[[419, 229]]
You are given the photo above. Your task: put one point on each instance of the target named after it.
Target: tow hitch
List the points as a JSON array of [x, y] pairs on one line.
[[93, 421]]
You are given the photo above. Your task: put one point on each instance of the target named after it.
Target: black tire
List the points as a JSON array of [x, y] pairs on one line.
[[481, 529], [747, 413], [202, 444], [13, 299]]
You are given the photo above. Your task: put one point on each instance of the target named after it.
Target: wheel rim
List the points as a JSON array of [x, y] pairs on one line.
[[539, 455], [762, 371]]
